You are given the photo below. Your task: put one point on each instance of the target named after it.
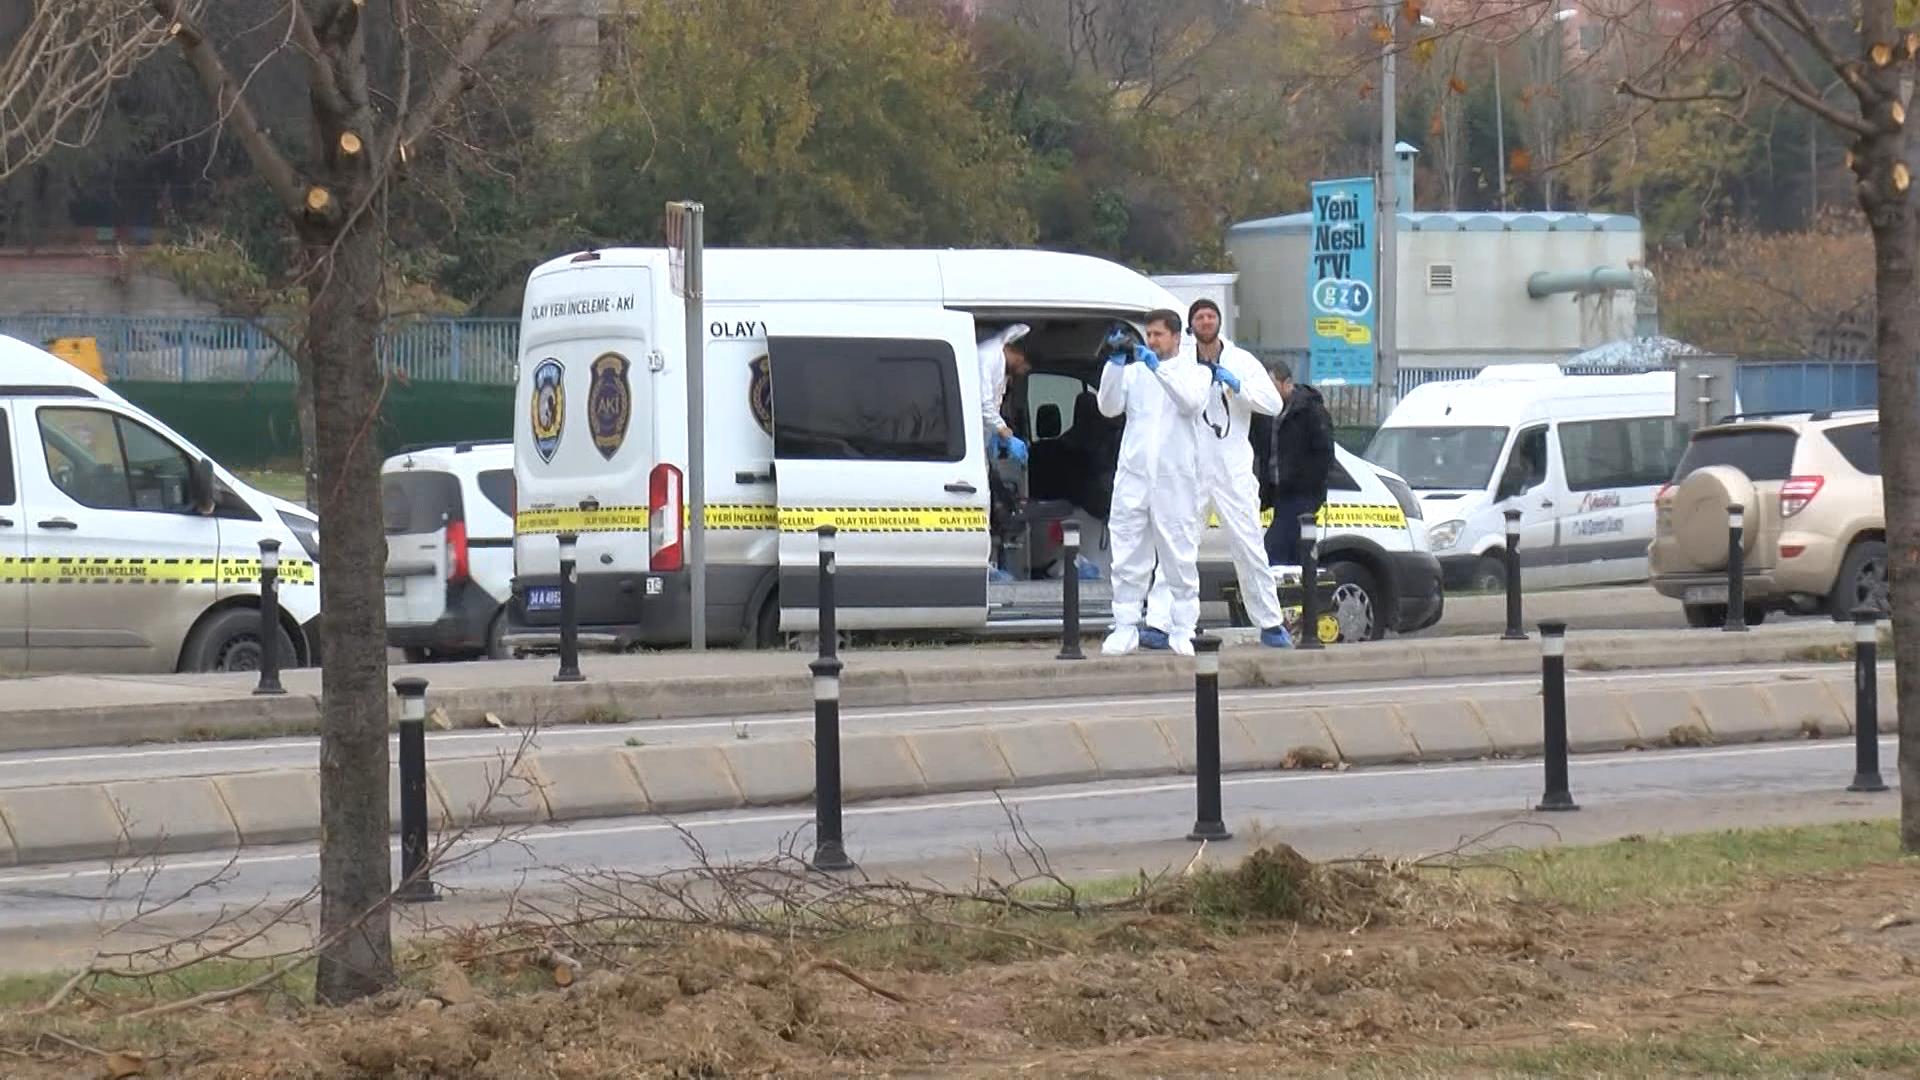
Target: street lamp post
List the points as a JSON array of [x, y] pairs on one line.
[[1387, 211]]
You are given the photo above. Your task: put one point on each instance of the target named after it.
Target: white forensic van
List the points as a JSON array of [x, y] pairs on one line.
[[1580, 456], [842, 387], [124, 548]]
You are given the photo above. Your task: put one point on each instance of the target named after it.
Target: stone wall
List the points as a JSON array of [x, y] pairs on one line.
[[90, 283]]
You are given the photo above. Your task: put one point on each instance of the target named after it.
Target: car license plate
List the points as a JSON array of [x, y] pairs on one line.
[[1706, 594], [544, 598], [396, 586]]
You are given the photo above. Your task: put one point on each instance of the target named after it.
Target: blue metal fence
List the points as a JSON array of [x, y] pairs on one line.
[[1770, 385], [159, 349]]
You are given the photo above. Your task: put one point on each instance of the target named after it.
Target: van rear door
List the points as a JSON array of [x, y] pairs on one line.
[[425, 521], [876, 430]]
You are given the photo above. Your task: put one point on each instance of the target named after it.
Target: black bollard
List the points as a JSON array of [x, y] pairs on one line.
[[1070, 596], [1736, 569], [1309, 584], [569, 614], [1866, 700], [1553, 692], [1207, 822], [416, 881], [1514, 630], [269, 619], [830, 851]]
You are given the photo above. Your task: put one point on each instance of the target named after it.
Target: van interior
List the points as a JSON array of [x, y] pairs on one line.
[[1074, 450]]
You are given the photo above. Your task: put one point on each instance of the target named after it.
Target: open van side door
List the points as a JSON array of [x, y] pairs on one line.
[[877, 431]]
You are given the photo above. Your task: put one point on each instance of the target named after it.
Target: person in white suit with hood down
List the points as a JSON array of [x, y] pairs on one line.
[[1155, 513], [1228, 487]]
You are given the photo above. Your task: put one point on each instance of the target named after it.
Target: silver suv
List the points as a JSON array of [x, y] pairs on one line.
[[1815, 525]]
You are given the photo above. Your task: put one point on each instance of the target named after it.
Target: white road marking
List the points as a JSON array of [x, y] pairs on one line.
[[1012, 798]]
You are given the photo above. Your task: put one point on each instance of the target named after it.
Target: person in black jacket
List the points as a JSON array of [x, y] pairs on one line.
[[1293, 453]]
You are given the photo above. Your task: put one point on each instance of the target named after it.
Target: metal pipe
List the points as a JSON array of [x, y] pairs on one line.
[[1545, 283]]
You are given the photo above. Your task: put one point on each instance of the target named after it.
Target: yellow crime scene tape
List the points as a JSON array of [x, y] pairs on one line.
[[883, 518], [750, 516], [1343, 516], [83, 570]]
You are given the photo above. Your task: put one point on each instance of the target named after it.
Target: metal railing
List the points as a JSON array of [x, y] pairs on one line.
[[218, 349]]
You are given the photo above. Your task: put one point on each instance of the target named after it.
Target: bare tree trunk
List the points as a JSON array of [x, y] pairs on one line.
[[1898, 336], [1885, 193], [355, 870]]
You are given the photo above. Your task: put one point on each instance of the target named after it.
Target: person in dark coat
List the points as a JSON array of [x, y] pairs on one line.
[[1293, 453]]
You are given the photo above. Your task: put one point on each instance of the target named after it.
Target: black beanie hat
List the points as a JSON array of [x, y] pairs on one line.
[[1203, 302]]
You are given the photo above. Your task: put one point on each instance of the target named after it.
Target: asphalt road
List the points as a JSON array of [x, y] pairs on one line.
[[1102, 828], [35, 768]]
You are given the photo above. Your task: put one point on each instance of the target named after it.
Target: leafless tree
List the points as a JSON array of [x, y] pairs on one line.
[[329, 165]]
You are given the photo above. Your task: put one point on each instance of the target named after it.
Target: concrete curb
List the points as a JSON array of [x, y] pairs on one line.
[[175, 814], [884, 679]]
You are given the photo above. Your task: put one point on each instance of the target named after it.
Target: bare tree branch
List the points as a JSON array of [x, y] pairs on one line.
[[1814, 105], [490, 28], [56, 78], [229, 101]]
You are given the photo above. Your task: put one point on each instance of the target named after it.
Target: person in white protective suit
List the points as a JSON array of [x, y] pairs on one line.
[[1229, 488], [1001, 358], [1155, 516]]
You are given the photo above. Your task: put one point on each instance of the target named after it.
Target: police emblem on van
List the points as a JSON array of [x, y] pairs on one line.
[[548, 407], [760, 393], [609, 403]]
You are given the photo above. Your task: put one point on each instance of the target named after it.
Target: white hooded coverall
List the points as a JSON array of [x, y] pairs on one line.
[[993, 375], [1154, 499], [1229, 488]]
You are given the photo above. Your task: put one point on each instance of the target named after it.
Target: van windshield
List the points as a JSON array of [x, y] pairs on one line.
[[1439, 458]]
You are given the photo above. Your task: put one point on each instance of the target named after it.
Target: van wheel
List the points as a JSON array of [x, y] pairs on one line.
[[1489, 575], [766, 625], [496, 637], [1358, 604], [230, 641], [1862, 580]]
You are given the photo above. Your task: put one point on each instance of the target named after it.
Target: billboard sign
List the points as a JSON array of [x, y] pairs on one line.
[[1340, 284]]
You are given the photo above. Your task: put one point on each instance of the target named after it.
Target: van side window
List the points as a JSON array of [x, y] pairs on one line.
[[109, 462], [1627, 452], [866, 400], [497, 486], [1526, 465], [8, 495]]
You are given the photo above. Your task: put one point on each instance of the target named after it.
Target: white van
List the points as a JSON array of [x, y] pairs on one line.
[[842, 387], [124, 548], [1580, 456]]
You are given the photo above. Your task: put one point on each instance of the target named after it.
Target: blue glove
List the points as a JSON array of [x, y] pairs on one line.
[[1222, 375], [1016, 448], [994, 443], [1147, 356], [1118, 355], [1118, 337]]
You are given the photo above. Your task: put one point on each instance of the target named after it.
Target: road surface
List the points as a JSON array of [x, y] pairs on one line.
[[1091, 829]]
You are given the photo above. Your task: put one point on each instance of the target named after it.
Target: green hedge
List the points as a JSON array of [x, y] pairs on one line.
[[246, 425]]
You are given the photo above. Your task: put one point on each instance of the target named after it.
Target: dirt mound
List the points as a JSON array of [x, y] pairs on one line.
[[1276, 963]]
